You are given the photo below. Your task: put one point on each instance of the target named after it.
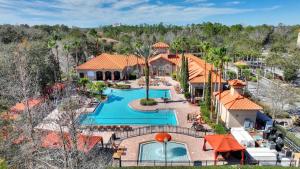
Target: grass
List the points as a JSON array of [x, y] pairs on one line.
[[149, 102], [213, 167]]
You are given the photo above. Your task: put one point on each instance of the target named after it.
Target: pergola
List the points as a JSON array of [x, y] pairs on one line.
[[223, 143]]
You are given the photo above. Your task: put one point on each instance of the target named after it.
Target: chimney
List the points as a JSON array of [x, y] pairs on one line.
[[236, 86]]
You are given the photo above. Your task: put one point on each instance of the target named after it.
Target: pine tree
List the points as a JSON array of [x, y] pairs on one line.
[[186, 76], [182, 71], [208, 91]]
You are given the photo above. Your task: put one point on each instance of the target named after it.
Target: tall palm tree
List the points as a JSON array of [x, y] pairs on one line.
[[67, 48], [52, 44], [145, 51], [204, 48], [220, 54], [76, 44]]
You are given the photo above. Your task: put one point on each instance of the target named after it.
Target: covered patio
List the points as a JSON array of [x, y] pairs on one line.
[[224, 143]]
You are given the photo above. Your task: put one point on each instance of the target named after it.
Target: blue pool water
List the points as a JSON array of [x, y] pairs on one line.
[[115, 111], [155, 151]]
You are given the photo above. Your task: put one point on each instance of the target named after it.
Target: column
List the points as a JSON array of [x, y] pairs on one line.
[[112, 76]]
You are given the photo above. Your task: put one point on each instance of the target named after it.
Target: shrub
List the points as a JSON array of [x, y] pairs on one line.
[[132, 76], [174, 76], [231, 74], [253, 79], [149, 102], [187, 95], [220, 129]]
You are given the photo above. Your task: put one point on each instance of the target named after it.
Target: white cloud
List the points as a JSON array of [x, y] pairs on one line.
[[87, 13], [233, 3]]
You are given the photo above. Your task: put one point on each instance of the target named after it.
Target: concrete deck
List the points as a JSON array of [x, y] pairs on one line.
[[194, 146]]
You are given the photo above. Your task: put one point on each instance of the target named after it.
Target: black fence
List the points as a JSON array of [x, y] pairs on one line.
[[155, 129], [124, 163]]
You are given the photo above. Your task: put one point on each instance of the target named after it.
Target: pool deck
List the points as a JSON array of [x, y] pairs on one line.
[[194, 146]]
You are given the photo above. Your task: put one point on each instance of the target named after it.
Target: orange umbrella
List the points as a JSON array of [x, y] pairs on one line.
[[162, 137]]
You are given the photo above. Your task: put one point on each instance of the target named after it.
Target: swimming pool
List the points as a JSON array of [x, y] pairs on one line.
[[155, 151], [115, 111]]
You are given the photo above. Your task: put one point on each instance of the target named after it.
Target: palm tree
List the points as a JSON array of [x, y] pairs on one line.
[[76, 45], [52, 43], [67, 48], [204, 48], [145, 51], [83, 82], [98, 88], [220, 54]]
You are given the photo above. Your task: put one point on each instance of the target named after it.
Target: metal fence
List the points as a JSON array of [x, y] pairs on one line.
[[155, 129], [124, 163]]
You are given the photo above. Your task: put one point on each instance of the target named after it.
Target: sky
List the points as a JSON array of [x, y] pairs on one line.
[[94, 13]]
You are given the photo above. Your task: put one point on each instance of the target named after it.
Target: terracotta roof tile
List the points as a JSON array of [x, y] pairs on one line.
[[19, 107], [110, 62], [197, 68], [236, 82], [175, 59], [236, 101], [160, 45]]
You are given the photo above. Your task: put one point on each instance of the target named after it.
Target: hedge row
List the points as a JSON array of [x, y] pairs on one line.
[[219, 128]]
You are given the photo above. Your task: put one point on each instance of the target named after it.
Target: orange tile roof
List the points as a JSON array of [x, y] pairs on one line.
[[236, 101], [175, 59], [160, 45], [107, 61], [196, 70], [19, 107], [223, 143], [236, 82], [84, 143]]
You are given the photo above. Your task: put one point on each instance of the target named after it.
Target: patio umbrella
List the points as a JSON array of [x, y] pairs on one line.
[[164, 137]]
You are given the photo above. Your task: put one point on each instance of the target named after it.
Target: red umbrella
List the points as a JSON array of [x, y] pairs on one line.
[[163, 137]]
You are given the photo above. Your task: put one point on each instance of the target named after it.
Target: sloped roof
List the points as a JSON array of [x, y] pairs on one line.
[[160, 45], [223, 143], [84, 143], [197, 70], [175, 59], [107, 61], [19, 107], [236, 101], [236, 82]]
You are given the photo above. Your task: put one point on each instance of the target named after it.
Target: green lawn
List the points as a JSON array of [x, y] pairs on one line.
[[213, 167]]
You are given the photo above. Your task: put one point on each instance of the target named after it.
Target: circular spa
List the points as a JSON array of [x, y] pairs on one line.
[[155, 151]]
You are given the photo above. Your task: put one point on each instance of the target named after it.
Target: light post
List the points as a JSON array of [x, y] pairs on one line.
[[165, 149]]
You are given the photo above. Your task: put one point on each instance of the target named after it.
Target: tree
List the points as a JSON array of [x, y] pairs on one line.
[[83, 82], [182, 71], [76, 45], [186, 75], [67, 48], [205, 47], [207, 96], [144, 50], [94, 34], [52, 44], [220, 55], [97, 87]]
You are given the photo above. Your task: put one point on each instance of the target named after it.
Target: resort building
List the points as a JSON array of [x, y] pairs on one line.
[[116, 67], [110, 67], [236, 110]]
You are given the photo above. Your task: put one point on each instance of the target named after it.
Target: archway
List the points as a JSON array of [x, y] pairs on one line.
[[107, 75], [99, 75], [117, 75]]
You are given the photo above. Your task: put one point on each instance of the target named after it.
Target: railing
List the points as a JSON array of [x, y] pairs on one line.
[[124, 163], [155, 129]]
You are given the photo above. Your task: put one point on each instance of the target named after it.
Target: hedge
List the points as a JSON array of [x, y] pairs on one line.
[[219, 128], [149, 102]]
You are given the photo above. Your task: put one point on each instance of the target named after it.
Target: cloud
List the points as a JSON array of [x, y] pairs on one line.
[[89, 13], [233, 3]]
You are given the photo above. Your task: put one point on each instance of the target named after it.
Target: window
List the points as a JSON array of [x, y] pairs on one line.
[[81, 75]]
